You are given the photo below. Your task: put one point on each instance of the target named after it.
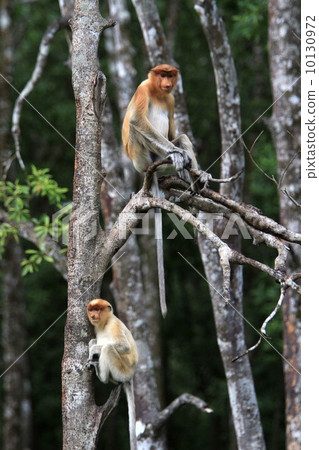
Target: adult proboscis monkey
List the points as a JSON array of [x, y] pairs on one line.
[[148, 134]]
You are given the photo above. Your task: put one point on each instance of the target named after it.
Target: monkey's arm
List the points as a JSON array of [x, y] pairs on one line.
[[151, 140]]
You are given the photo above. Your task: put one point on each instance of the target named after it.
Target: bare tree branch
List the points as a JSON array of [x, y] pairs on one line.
[[248, 213], [141, 202], [263, 333], [36, 74], [110, 404], [183, 399], [272, 178]]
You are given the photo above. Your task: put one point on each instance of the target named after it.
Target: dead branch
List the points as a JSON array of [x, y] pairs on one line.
[[184, 399], [226, 254], [197, 173], [142, 202], [36, 74], [279, 271], [110, 405], [263, 332], [210, 206], [248, 213], [148, 179], [272, 178], [166, 413]]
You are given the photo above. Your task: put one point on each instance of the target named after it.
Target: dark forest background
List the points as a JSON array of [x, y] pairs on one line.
[[187, 330]]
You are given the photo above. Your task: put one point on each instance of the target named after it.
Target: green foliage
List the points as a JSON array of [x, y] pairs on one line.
[[42, 184], [7, 230], [32, 263], [16, 199], [250, 19]]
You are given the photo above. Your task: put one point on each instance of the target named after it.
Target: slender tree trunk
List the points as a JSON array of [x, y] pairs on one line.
[[284, 58], [228, 319], [17, 411], [81, 417]]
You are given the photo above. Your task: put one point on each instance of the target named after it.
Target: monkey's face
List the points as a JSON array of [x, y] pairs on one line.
[[166, 82], [98, 311], [94, 316]]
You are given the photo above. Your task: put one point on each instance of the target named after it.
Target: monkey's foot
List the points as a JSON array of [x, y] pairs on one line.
[[200, 178], [204, 178]]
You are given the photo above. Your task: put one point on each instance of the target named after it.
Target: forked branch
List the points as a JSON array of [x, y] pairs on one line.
[[166, 413]]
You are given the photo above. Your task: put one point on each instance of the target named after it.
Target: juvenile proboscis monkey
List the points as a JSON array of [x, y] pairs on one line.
[[148, 134], [113, 354]]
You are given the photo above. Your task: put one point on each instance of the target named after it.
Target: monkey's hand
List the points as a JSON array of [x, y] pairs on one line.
[[93, 363], [94, 356], [180, 159]]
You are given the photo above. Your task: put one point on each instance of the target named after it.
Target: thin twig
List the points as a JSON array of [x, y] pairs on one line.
[[283, 174], [250, 153], [285, 191], [263, 332]]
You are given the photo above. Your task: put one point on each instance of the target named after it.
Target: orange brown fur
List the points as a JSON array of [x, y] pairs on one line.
[[156, 91]]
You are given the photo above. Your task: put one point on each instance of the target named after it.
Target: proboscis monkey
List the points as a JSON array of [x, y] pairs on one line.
[[113, 354], [148, 134], [148, 131]]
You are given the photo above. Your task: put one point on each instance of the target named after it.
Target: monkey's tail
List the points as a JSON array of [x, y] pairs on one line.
[[159, 249], [129, 391]]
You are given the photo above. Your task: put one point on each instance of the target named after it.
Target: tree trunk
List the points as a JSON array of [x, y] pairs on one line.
[[228, 319], [17, 410], [81, 417], [284, 57]]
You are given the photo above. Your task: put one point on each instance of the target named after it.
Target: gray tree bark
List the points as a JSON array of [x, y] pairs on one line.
[[17, 408], [228, 319], [284, 59], [81, 417]]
